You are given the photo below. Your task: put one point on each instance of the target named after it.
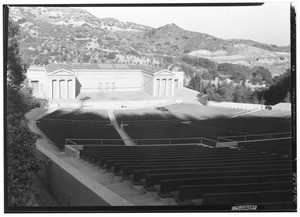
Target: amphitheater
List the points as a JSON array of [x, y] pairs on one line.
[[128, 150]]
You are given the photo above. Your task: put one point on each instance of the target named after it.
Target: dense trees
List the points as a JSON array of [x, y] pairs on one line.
[[200, 62], [236, 72], [279, 91], [201, 70], [260, 74], [227, 92], [21, 160]]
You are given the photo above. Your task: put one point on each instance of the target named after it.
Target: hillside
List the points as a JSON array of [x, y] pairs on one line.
[[74, 35]]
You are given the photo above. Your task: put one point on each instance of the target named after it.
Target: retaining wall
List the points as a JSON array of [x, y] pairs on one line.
[[247, 106], [70, 187]]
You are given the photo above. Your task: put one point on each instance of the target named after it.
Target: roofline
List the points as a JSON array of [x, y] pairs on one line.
[[49, 73]]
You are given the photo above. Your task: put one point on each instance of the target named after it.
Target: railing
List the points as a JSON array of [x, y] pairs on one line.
[[152, 121], [72, 121], [161, 141], [249, 137]]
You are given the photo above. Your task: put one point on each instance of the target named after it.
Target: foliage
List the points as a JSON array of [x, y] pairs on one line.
[[207, 76], [21, 159], [228, 93], [260, 74], [244, 94], [213, 95], [235, 72], [15, 67], [195, 83], [287, 98], [111, 55], [133, 52], [279, 90], [200, 62]]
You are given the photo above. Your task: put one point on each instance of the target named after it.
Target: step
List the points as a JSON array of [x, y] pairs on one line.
[[108, 182], [164, 202], [145, 202], [120, 186], [132, 193], [126, 191], [139, 197], [100, 176]]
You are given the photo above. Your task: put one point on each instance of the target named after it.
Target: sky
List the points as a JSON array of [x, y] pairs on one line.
[[269, 23]]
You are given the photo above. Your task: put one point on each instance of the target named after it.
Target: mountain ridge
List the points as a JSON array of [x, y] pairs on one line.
[[76, 35]]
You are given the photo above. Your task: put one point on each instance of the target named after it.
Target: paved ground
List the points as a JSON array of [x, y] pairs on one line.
[[184, 94]]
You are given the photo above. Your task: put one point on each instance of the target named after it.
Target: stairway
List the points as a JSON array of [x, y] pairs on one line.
[[127, 140]]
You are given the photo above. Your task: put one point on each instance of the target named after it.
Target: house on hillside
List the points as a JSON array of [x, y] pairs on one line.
[[66, 81]]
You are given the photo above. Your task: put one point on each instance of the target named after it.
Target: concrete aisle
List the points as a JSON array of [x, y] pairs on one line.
[[127, 140]]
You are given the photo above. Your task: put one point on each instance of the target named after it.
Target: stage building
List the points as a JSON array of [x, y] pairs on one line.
[[66, 81]]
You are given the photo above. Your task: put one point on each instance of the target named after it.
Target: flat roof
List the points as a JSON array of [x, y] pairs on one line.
[[94, 66]]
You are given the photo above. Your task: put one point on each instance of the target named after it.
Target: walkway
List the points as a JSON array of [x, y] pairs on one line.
[[127, 140]]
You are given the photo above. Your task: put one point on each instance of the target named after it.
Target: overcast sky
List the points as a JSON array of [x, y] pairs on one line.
[[269, 23]]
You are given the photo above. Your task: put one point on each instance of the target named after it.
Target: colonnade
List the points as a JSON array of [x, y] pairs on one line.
[[165, 86], [62, 89]]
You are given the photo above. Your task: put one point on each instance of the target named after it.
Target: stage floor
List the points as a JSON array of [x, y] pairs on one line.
[[133, 97], [117, 96]]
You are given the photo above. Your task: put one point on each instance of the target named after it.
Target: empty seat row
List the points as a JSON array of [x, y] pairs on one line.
[[193, 172], [246, 197], [188, 192], [167, 186]]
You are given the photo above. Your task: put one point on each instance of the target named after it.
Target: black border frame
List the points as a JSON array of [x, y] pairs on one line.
[[146, 209]]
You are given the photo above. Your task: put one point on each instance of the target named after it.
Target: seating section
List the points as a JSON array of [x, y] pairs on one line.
[[179, 133], [203, 111], [144, 115], [271, 113], [78, 114], [79, 124], [248, 124], [277, 146], [198, 175], [169, 160]]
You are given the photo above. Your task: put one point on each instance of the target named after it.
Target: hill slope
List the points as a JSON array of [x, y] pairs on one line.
[[75, 35]]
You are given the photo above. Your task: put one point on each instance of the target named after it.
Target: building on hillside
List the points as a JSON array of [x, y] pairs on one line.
[[66, 81]]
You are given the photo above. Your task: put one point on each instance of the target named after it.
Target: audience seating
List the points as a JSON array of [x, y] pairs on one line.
[[198, 173]]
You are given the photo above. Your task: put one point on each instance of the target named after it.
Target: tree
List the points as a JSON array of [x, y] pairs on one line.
[[21, 160], [111, 55], [260, 74], [288, 97], [213, 95], [226, 91], [235, 72], [15, 67], [279, 90], [243, 94]]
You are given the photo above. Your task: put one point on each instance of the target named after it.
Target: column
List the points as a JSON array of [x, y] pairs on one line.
[[74, 88], [153, 87], [50, 93], [172, 87], [160, 87], [67, 89], [169, 87], [166, 85], [55, 89], [157, 87]]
